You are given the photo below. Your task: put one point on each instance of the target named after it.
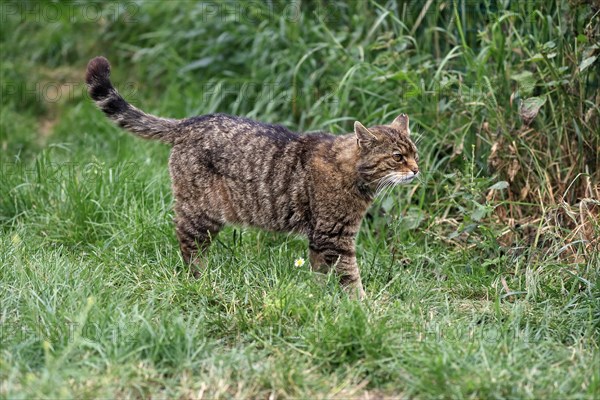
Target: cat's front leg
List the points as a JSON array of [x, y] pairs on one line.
[[347, 269], [317, 262], [327, 252]]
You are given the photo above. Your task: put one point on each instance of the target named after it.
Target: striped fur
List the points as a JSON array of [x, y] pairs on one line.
[[233, 170], [117, 109]]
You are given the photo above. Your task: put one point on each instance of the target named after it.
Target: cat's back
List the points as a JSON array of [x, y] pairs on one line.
[[223, 129], [235, 147]]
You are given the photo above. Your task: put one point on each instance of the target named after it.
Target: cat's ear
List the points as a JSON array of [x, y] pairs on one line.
[[401, 123], [364, 137]]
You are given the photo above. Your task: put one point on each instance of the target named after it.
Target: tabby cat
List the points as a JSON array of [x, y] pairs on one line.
[[232, 170]]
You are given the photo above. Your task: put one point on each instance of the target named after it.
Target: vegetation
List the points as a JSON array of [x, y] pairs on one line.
[[483, 279]]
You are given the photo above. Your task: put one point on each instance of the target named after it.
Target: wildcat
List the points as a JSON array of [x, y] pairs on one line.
[[233, 170]]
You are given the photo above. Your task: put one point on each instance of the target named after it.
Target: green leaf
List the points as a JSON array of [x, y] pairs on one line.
[[581, 38], [587, 62], [549, 45], [388, 203], [478, 214], [501, 185], [536, 57], [526, 82], [201, 63], [522, 76]]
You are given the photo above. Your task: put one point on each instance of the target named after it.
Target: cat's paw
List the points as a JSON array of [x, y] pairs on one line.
[[355, 291]]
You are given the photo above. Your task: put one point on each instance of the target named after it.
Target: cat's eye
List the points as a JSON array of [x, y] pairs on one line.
[[397, 157]]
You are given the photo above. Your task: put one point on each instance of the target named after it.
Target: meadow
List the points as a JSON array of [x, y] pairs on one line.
[[482, 278]]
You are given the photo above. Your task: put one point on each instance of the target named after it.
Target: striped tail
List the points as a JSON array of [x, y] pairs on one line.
[[120, 111]]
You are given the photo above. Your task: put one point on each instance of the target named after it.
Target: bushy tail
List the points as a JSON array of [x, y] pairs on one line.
[[120, 111]]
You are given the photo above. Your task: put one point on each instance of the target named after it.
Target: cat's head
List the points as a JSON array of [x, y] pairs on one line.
[[387, 154]]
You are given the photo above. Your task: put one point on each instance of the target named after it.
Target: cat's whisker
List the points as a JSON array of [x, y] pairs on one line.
[[384, 182], [389, 189], [382, 191], [392, 182], [378, 181]]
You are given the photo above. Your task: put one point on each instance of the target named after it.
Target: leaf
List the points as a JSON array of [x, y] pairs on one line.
[[478, 214], [530, 108], [522, 76], [388, 203], [470, 228], [526, 82], [587, 62], [536, 57], [549, 45], [501, 185], [203, 62]]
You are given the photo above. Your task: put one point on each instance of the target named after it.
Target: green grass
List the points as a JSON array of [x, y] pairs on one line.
[[471, 292]]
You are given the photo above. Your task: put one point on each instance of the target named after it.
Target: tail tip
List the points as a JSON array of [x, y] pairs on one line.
[[98, 70]]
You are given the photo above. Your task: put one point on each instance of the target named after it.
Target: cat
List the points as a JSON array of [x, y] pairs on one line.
[[233, 170]]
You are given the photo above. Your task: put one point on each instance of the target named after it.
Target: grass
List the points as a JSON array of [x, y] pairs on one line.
[[482, 278]]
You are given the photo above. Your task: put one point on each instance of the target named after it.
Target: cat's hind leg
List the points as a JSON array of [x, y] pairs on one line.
[[195, 232]]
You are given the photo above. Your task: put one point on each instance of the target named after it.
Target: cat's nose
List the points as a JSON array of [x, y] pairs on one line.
[[415, 169]]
